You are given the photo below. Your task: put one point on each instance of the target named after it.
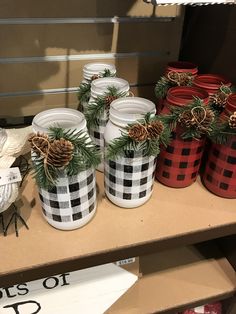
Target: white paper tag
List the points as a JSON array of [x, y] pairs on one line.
[[10, 175], [200, 309], [125, 261]]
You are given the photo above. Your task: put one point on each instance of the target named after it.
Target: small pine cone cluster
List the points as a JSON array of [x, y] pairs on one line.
[[109, 99], [60, 153], [57, 152], [138, 133], [232, 121], [200, 118], [155, 129], [186, 119], [205, 120], [39, 143], [180, 79], [94, 77], [219, 100]]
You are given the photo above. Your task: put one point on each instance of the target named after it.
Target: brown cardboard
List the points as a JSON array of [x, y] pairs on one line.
[[177, 279], [172, 217], [132, 267]]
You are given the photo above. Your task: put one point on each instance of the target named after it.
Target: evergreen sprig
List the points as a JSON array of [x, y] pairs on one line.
[[124, 145], [166, 82], [84, 88], [85, 155], [221, 132], [97, 108], [193, 131]]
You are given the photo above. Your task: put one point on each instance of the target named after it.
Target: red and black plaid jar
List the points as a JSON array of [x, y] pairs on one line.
[[220, 173], [180, 67], [210, 82], [178, 164]]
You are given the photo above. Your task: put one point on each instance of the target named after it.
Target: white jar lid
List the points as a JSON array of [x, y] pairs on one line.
[[59, 117], [91, 69], [99, 86], [130, 109]]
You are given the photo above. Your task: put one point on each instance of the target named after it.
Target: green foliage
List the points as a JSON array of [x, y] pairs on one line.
[[83, 92], [124, 144], [162, 86], [96, 109], [85, 155], [221, 132], [84, 88], [172, 120]]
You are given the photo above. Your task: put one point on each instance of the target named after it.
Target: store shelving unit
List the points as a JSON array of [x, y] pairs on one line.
[[176, 276]]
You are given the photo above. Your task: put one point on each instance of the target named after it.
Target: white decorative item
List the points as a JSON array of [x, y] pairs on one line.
[[128, 180], [71, 202], [13, 143], [91, 70], [98, 89]]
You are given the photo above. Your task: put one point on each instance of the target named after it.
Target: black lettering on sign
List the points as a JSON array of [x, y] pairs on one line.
[[8, 292], [64, 279], [15, 307], [50, 282], [23, 291]]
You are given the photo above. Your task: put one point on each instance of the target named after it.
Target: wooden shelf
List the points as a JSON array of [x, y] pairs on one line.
[[178, 279], [171, 218]]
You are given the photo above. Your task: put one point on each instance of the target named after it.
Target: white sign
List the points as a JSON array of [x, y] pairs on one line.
[[10, 175], [192, 2], [87, 291]]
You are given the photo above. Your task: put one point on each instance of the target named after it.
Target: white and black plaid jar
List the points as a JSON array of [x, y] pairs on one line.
[[129, 179], [98, 88], [71, 203], [92, 71]]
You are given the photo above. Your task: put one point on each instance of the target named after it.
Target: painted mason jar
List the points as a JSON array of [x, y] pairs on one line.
[[101, 95], [128, 179], [210, 82], [71, 202], [92, 71], [177, 73], [219, 176], [178, 164]]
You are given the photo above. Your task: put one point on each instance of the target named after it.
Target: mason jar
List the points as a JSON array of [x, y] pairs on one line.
[[128, 180], [92, 71], [98, 89], [71, 202]]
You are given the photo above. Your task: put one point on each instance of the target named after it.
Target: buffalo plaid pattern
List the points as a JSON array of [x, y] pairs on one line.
[[178, 164], [97, 133], [220, 173], [129, 178], [73, 198]]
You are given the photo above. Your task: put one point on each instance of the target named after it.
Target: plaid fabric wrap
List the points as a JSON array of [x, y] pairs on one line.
[[178, 164], [129, 178], [220, 173], [71, 199], [97, 133]]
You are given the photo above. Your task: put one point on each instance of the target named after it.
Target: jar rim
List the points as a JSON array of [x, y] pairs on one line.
[[99, 86], [127, 110], [66, 118], [91, 69]]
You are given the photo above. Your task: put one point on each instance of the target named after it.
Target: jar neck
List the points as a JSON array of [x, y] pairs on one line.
[[183, 95], [100, 86], [62, 117], [91, 69], [128, 110], [182, 66], [211, 82]]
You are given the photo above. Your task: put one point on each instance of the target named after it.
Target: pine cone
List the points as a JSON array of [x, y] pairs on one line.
[[155, 129], [60, 153], [109, 99], [219, 100], [39, 143], [138, 133], [232, 121], [186, 119], [204, 120], [94, 77]]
